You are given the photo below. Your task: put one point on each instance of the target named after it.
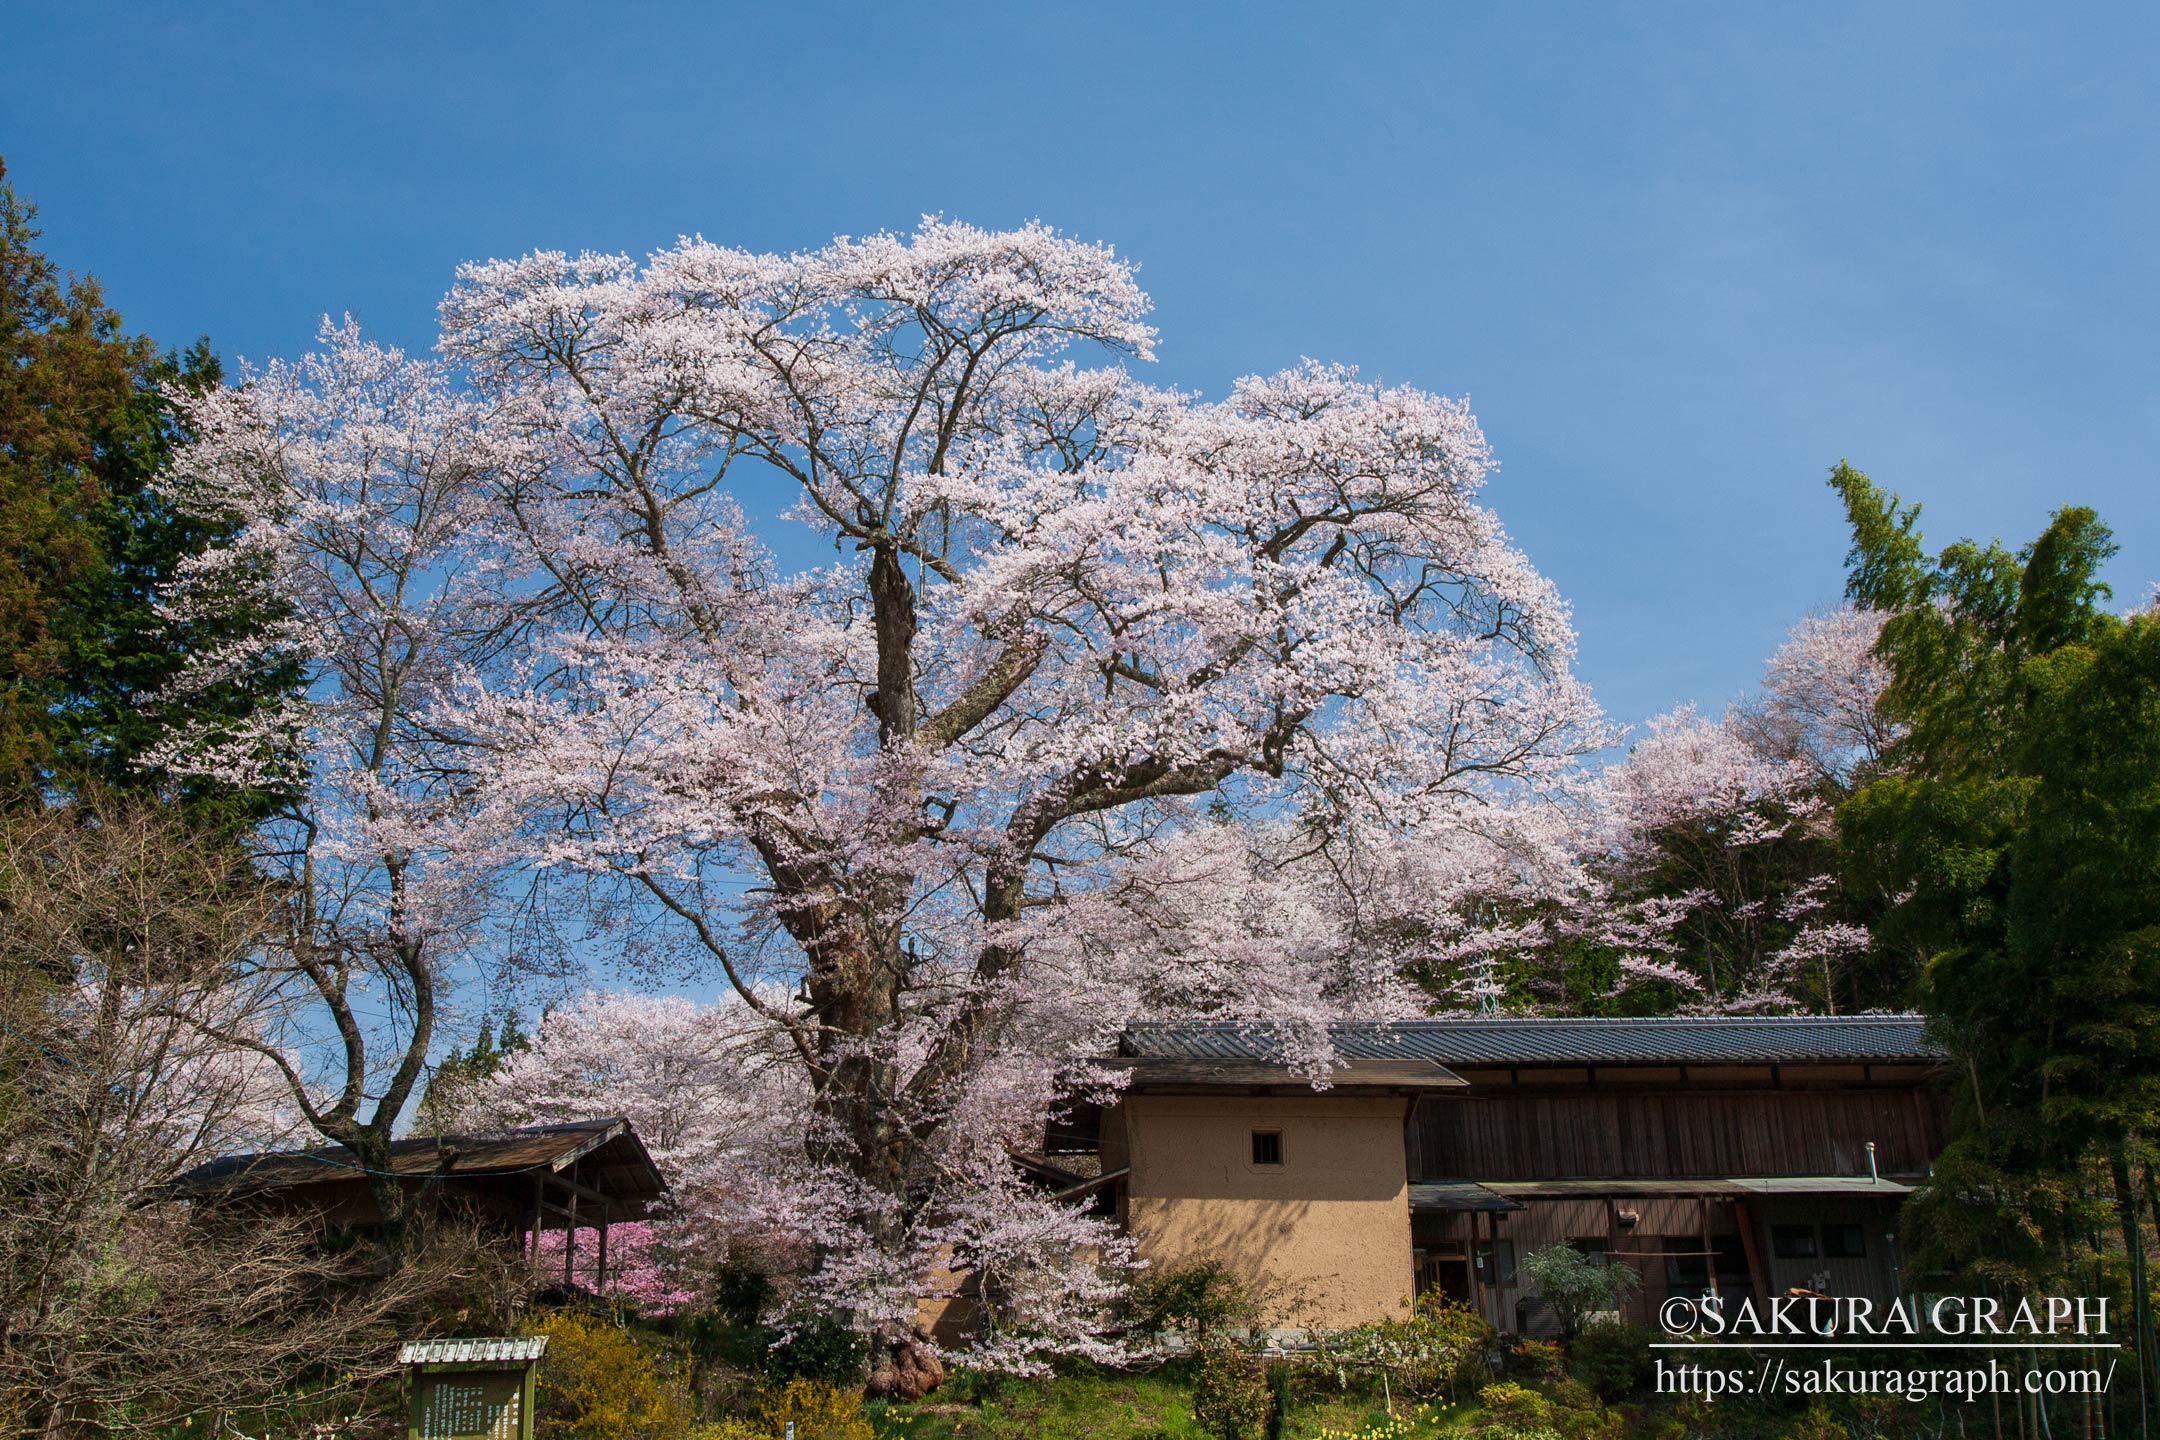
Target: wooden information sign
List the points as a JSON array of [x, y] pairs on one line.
[[472, 1389]]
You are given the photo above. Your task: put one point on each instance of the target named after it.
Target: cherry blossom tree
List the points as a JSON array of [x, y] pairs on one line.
[[1821, 698], [1717, 878], [728, 1119], [350, 482], [720, 1109], [885, 798]]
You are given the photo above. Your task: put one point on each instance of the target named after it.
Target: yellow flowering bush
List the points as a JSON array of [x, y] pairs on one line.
[[733, 1427], [819, 1410], [597, 1383]]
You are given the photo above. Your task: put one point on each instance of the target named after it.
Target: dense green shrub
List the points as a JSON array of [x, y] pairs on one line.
[[1577, 1415], [1196, 1298], [1568, 1412], [1536, 1360], [1230, 1397], [1613, 1360], [1506, 1404], [800, 1347], [740, 1291], [1439, 1347], [815, 1347], [1278, 1384], [738, 1347]]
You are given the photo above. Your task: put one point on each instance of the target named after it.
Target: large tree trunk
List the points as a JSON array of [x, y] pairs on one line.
[[856, 973]]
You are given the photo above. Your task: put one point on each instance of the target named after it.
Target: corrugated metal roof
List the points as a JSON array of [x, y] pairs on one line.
[[491, 1349], [1563, 1040], [1454, 1196], [1820, 1185], [1856, 1185]]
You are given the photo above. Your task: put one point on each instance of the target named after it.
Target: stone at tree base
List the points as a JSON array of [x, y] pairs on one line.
[[907, 1368]]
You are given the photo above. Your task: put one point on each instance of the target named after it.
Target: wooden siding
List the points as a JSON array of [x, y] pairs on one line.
[[1586, 1134], [1664, 1225], [1874, 1273]]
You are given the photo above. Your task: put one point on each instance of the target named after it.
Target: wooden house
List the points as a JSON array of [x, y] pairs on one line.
[[1736, 1154]]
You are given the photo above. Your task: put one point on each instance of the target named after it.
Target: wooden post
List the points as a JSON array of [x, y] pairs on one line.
[[539, 1221], [1477, 1273], [1709, 1250], [600, 1275], [1612, 1257], [569, 1245], [1757, 1275]]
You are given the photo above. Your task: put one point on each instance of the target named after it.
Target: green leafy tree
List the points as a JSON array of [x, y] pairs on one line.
[[1196, 1298], [87, 538], [2024, 837], [1575, 1285]]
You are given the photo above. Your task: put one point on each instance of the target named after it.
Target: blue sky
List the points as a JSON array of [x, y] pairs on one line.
[[1681, 258]]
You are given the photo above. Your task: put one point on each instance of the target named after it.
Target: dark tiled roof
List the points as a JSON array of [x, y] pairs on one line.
[[1181, 1072], [621, 1165], [1564, 1040]]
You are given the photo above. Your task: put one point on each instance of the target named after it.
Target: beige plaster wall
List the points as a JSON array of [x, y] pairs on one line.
[[951, 1311], [1332, 1220]]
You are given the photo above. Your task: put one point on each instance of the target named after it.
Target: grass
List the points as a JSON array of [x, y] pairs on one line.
[[1063, 1407], [1106, 1406]]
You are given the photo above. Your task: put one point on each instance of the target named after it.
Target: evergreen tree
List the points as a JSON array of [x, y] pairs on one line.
[[463, 1070], [87, 539]]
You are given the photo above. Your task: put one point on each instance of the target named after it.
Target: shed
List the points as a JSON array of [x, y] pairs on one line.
[[587, 1174]]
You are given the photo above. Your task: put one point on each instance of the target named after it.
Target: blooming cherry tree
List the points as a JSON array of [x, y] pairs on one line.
[[885, 798], [1717, 832], [354, 479], [1821, 697], [721, 1111]]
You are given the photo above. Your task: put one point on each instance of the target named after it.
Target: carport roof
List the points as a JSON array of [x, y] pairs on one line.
[[1508, 1194], [1431, 1196]]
